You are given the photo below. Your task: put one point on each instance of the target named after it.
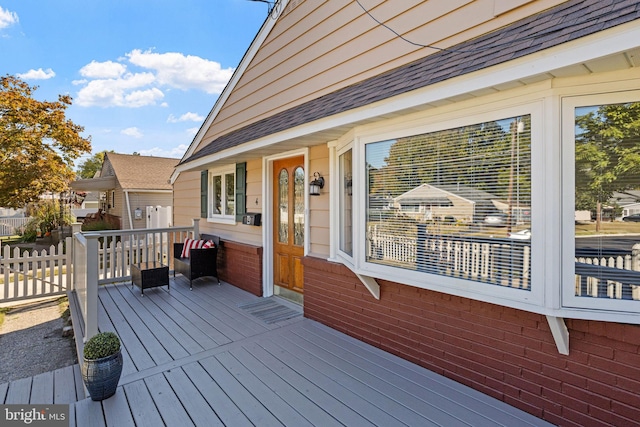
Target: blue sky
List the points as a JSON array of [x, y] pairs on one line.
[[143, 74]]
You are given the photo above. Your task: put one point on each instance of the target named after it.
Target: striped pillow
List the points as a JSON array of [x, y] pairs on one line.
[[195, 244]]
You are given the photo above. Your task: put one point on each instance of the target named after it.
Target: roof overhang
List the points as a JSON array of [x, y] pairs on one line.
[[94, 184], [614, 49]]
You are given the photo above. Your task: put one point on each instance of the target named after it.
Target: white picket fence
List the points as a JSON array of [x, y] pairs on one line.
[[34, 274], [8, 226]]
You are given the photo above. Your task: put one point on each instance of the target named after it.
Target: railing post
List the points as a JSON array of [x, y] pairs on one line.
[[91, 316], [635, 257], [196, 228]]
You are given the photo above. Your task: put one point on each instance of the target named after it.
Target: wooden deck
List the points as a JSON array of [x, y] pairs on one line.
[[198, 358]]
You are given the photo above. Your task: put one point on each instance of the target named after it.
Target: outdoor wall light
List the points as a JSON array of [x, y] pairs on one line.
[[316, 184]]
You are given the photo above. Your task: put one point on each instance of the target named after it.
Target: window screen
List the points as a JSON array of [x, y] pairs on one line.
[[455, 202]]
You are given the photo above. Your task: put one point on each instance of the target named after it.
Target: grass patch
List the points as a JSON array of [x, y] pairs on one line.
[[615, 227], [3, 310], [63, 306]]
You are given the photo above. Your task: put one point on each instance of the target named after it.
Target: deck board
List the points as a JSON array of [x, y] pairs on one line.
[[162, 326], [199, 410], [215, 396], [143, 409], [137, 351], [19, 391], [65, 385], [241, 397], [244, 372], [148, 331], [251, 378], [357, 376], [287, 392], [89, 413], [168, 404], [42, 389], [116, 410], [349, 408]]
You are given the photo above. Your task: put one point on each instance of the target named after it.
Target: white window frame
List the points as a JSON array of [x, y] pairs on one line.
[[220, 218], [569, 299], [451, 285], [349, 258]]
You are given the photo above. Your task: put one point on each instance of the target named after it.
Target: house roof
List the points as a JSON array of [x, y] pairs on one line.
[[566, 22], [133, 172], [142, 172]]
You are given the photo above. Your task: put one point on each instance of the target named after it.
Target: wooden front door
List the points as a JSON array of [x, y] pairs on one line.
[[288, 223]]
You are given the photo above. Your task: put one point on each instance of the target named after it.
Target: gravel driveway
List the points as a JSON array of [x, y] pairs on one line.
[[31, 341]]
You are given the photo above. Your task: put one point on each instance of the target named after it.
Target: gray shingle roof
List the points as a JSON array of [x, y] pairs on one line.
[[565, 22]]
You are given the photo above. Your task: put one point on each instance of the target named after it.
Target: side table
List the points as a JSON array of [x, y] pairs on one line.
[[149, 275]]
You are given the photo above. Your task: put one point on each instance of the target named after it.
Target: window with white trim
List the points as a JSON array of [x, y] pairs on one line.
[[221, 194], [601, 139], [454, 202], [345, 165]]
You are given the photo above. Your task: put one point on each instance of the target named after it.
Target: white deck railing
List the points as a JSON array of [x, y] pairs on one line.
[[102, 257]]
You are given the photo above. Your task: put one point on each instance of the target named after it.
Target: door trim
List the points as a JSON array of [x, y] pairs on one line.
[[267, 209]]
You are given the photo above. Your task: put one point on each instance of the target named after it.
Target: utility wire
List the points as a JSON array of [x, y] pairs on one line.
[[478, 50]]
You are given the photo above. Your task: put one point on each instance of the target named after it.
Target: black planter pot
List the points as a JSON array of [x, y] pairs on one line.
[[101, 376]]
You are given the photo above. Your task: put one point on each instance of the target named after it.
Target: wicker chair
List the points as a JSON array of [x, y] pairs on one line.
[[201, 262]]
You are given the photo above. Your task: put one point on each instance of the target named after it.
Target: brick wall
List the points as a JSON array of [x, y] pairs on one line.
[[241, 265], [506, 353]]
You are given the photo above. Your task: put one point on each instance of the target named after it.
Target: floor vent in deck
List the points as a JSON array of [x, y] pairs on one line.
[[270, 311]]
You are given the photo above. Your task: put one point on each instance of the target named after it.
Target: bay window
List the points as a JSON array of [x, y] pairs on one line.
[[454, 202]]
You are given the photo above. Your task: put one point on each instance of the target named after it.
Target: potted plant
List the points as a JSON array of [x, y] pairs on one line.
[[102, 365]]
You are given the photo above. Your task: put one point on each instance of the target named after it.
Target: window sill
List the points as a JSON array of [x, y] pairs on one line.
[[221, 220]]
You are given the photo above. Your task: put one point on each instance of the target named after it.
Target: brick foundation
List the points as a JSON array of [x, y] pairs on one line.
[[241, 265], [506, 353]]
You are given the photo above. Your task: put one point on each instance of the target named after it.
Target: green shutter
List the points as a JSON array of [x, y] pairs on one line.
[[241, 190], [204, 179]]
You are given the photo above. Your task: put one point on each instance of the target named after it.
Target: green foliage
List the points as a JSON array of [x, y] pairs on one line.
[[31, 230], [88, 168], [101, 345], [98, 226], [607, 152], [49, 215], [38, 144]]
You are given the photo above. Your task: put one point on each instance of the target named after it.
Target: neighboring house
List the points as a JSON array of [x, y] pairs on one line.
[[84, 203], [327, 97], [128, 184]]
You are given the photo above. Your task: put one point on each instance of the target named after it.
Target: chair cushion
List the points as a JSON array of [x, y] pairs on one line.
[[195, 244]]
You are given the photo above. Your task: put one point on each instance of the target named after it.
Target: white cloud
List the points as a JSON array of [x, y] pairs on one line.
[[103, 70], [121, 92], [114, 84], [192, 131], [133, 131], [7, 18], [186, 117], [183, 71], [175, 152], [38, 74]]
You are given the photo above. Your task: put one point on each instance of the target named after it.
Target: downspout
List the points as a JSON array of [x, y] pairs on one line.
[[126, 196]]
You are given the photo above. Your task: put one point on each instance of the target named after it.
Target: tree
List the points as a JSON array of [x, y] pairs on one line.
[[88, 168], [38, 144], [607, 154]]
